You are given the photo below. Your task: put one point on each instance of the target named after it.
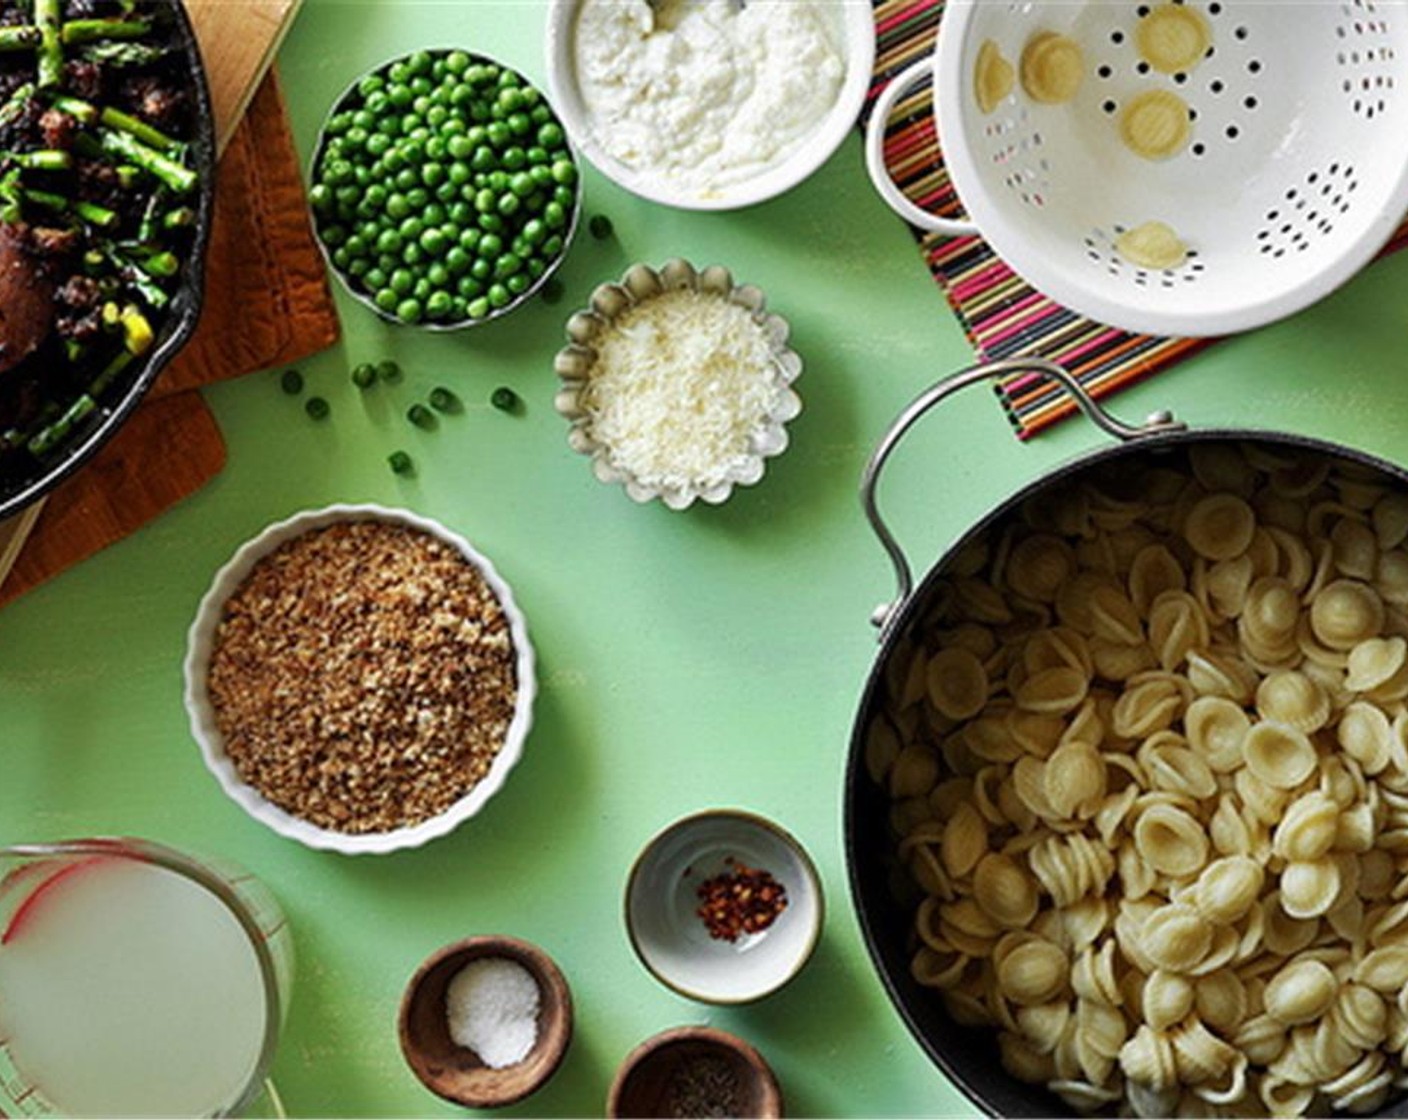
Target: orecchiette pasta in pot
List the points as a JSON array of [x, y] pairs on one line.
[[1147, 796]]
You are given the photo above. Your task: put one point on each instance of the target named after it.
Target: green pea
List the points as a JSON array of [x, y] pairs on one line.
[[438, 275], [401, 463], [504, 399], [515, 158], [320, 198], [564, 171], [420, 416], [490, 223], [499, 296], [419, 198], [389, 241], [457, 261], [432, 174], [402, 281], [551, 135], [317, 408], [442, 400], [478, 307], [469, 239], [552, 246], [507, 265], [409, 311], [509, 101], [518, 283], [388, 371], [460, 147], [469, 287], [498, 133], [386, 300], [483, 159], [555, 214], [485, 200], [291, 382], [482, 269], [439, 305], [600, 227], [456, 62], [421, 292], [375, 278], [534, 231], [371, 84], [364, 375], [397, 206], [520, 124], [509, 204], [491, 245]]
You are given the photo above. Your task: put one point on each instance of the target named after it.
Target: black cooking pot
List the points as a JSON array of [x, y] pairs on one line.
[[28, 482], [968, 1056]]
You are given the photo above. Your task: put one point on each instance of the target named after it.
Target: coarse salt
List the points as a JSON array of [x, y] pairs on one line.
[[492, 1009]]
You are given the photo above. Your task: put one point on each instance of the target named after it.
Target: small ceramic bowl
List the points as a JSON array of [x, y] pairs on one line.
[[350, 99], [671, 939], [655, 1079], [640, 284], [857, 25], [201, 713], [458, 1074]]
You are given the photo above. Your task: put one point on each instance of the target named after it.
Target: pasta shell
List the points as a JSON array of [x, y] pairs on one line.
[[1308, 829], [957, 683], [1005, 891], [965, 841], [1310, 888], [1147, 1059], [1366, 736], [914, 772], [1216, 728], [1294, 699], [1390, 520], [1356, 549], [1114, 617], [1278, 754], [1075, 780], [1385, 969], [1300, 992], [1171, 842], [1177, 626], [1220, 526], [1053, 691], [1044, 1024], [1039, 566], [1374, 661], [1345, 613], [1200, 1055], [1361, 1016], [1033, 973], [1220, 999], [1228, 888], [1146, 707], [1153, 571], [1176, 938], [1167, 999], [1282, 934]]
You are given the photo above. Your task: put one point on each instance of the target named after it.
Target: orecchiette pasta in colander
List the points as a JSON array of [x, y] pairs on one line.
[[1148, 756]]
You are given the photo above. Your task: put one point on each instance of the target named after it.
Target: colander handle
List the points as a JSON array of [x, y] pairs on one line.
[[886, 614], [875, 157]]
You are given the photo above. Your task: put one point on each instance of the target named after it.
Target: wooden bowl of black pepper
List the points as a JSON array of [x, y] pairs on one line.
[[694, 1072]]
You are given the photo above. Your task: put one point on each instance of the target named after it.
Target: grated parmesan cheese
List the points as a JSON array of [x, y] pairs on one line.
[[682, 387]]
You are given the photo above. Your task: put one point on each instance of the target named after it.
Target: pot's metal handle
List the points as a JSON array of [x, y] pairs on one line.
[[885, 614]]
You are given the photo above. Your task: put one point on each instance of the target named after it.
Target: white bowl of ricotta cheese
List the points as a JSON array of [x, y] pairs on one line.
[[709, 104]]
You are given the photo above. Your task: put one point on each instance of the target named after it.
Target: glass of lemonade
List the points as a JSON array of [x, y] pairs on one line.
[[135, 981]]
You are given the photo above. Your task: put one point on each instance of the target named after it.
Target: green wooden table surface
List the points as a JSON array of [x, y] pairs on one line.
[[708, 658]]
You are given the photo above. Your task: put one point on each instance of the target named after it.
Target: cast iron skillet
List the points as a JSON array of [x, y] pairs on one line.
[[25, 485], [878, 881]]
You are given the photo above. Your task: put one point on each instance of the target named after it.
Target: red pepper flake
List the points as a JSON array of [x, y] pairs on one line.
[[741, 900]]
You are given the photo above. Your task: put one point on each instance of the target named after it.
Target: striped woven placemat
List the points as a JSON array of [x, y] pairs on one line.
[[1001, 313]]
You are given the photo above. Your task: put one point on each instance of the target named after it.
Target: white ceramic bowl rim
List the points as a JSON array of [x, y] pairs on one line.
[[859, 29], [200, 642]]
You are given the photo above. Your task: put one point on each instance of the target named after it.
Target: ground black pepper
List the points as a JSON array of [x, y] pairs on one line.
[[704, 1087]]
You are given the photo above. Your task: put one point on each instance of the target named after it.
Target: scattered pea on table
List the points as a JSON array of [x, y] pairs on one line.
[[401, 463], [388, 371], [364, 375], [504, 399], [420, 416], [317, 408], [291, 382], [601, 227], [443, 400]]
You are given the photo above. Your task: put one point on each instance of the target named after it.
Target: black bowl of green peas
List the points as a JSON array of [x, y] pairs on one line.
[[445, 191]]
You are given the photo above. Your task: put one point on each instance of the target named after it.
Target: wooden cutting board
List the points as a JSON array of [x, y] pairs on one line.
[[238, 40]]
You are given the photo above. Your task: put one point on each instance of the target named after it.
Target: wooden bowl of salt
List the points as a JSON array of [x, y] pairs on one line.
[[486, 1021]]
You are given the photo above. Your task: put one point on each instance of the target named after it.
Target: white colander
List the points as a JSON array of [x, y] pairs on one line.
[[1295, 173]]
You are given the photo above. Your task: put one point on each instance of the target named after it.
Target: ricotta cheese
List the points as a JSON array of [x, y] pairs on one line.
[[704, 94], [682, 387]]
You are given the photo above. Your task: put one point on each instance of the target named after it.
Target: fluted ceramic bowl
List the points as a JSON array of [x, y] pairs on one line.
[[575, 364]]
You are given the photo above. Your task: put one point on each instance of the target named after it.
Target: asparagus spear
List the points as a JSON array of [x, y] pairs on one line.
[[45, 159], [48, 15], [77, 31], [19, 38], [15, 105], [153, 137], [121, 54], [124, 146], [79, 110]]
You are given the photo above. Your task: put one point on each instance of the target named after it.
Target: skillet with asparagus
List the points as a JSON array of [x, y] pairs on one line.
[[97, 205]]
